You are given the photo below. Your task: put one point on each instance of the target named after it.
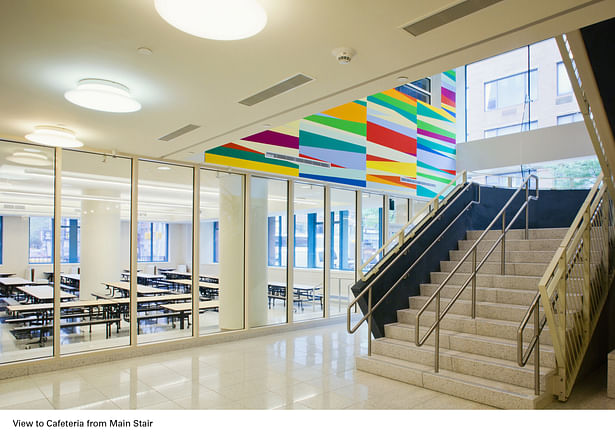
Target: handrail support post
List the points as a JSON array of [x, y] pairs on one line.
[[503, 256], [474, 284], [437, 343], [369, 322], [537, 349], [527, 210]]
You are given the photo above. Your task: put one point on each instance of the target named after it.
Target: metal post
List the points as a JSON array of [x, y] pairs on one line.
[[537, 350], [437, 343], [474, 284], [503, 259], [369, 322], [527, 209]]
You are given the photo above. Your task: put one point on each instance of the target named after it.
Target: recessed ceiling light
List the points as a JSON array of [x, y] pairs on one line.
[[402, 79], [144, 51], [29, 159], [164, 168], [214, 19], [267, 125], [103, 95], [31, 150], [54, 136]]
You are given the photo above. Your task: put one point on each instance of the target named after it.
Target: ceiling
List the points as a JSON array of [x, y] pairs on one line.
[[47, 46]]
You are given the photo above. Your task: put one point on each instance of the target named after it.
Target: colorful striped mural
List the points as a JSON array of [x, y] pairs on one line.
[[336, 139], [389, 142]]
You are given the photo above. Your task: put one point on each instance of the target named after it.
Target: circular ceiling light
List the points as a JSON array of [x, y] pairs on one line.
[[103, 95], [54, 136], [29, 159], [214, 19], [164, 168]]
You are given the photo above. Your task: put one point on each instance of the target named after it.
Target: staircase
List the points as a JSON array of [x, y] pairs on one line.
[[477, 356]]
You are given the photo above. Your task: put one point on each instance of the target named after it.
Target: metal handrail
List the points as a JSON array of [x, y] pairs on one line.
[[534, 308], [523, 357], [432, 206], [368, 288], [475, 268]]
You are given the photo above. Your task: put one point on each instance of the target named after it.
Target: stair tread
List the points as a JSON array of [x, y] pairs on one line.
[[491, 274], [504, 388], [478, 319], [478, 287], [465, 302], [485, 338], [504, 363]]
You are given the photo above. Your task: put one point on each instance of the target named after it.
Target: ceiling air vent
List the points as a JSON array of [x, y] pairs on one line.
[[185, 129], [277, 89], [448, 15]]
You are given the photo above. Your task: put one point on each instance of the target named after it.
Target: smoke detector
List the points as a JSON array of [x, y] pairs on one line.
[[343, 54]]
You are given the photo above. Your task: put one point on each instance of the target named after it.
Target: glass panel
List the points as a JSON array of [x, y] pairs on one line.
[[309, 251], [221, 242], [343, 223], [371, 228], [164, 245], [398, 215], [26, 200], [267, 251], [96, 242], [499, 99]]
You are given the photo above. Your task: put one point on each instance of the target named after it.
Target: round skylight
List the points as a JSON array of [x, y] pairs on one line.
[[103, 95], [214, 19], [53, 136]]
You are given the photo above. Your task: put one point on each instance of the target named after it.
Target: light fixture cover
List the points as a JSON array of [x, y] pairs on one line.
[[103, 95], [54, 136], [214, 19], [28, 159]]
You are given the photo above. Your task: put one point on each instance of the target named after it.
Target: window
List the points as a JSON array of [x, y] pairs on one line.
[[509, 129], [563, 83], [152, 242], [420, 90], [216, 239], [276, 236], [41, 240], [571, 117], [511, 90]]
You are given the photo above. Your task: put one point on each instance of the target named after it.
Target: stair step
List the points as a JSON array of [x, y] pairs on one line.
[[456, 361], [490, 280], [490, 310], [483, 294], [493, 267], [470, 343], [514, 245], [534, 233], [543, 257], [482, 326], [455, 384]]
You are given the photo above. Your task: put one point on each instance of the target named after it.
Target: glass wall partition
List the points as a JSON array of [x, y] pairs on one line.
[[26, 284], [221, 244], [371, 228], [164, 251], [397, 215], [343, 224], [308, 295], [267, 251], [520, 90], [96, 246]]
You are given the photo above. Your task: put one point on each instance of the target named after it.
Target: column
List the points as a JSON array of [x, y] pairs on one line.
[[100, 244], [231, 251]]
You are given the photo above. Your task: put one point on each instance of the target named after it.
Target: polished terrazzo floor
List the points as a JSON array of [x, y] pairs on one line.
[[305, 369]]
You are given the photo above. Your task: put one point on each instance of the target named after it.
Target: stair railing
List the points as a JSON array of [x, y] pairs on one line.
[[423, 226], [525, 187], [396, 241], [575, 286]]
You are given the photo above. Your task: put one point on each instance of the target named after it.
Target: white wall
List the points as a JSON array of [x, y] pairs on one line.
[[551, 143], [15, 245]]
